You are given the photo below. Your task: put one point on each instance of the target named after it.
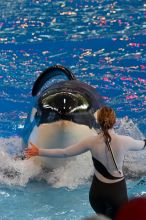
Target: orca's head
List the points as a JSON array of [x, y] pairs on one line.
[[65, 104], [69, 100]]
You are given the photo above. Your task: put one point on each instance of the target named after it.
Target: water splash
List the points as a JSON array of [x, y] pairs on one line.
[[134, 163], [74, 173], [126, 126], [12, 171]]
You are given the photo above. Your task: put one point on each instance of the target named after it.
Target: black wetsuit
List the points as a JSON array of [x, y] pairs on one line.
[[107, 198]]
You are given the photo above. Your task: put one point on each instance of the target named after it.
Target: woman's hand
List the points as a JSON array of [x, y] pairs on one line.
[[31, 151]]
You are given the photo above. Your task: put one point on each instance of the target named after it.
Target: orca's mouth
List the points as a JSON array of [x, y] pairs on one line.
[[70, 106]]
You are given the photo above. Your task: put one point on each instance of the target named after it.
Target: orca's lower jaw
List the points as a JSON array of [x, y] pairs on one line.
[[59, 134]]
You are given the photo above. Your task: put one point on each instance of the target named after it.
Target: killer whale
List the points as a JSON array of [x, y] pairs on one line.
[[62, 114]]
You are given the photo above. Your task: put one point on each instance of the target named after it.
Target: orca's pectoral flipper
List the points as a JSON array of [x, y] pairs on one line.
[[48, 74]]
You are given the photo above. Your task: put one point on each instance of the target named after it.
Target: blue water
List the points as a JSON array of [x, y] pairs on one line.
[[103, 43]]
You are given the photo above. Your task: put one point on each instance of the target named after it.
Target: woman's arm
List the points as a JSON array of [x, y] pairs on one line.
[[72, 150], [134, 145]]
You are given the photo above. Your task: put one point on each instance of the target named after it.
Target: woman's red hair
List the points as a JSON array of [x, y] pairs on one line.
[[106, 118]]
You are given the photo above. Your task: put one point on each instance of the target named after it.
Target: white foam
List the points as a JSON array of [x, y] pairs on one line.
[[134, 163], [73, 173], [126, 126], [15, 172]]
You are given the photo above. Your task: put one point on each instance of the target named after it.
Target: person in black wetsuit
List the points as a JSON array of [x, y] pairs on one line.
[[108, 190]]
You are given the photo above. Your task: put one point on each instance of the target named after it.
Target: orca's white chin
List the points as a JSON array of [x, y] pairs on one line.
[[58, 134]]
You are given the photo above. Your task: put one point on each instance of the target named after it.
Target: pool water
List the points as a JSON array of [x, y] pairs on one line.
[[40, 201], [103, 43]]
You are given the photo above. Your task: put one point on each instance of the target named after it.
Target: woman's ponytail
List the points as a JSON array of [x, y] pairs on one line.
[[106, 119]]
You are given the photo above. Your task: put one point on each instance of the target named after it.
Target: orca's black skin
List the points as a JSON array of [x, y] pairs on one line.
[[70, 100], [75, 86], [50, 73]]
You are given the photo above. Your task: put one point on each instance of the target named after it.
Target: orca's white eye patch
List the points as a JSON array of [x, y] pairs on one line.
[[33, 112]]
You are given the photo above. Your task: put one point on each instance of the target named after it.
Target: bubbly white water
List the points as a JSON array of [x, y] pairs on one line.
[[74, 173]]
